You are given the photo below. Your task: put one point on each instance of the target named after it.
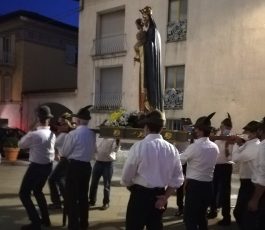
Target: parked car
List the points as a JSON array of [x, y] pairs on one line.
[[12, 132]]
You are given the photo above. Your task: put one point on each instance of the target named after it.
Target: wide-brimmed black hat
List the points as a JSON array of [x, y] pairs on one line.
[[227, 121], [252, 126], [154, 117], [44, 112], [204, 122], [84, 113], [262, 124]]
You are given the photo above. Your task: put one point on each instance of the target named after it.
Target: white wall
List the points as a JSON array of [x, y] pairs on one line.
[[224, 56]]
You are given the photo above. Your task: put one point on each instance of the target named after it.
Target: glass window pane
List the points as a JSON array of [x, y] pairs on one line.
[[183, 9], [173, 14]]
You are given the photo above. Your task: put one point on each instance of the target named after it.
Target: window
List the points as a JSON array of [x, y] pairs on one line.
[[177, 10], [71, 54], [177, 20], [7, 49], [6, 88], [109, 88], [110, 33], [174, 87]]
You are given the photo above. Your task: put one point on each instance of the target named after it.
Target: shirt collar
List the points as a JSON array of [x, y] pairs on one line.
[[202, 139], [43, 127], [252, 140], [152, 136]]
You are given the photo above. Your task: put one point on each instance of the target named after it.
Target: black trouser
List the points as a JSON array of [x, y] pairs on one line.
[[222, 189], [141, 209], [255, 220], [244, 194], [180, 191], [76, 194], [197, 199], [105, 169], [34, 181], [57, 181]]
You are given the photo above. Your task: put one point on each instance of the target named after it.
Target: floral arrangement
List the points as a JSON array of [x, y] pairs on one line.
[[123, 118]]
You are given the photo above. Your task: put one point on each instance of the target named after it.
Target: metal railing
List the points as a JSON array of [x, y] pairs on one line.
[[177, 31], [109, 45], [7, 58], [108, 101], [173, 98]]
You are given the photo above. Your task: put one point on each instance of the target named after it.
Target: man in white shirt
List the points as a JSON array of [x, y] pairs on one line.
[[152, 173], [200, 158], [222, 174], [41, 155], [79, 148], [105, 155], [245, 154], [256, 205]]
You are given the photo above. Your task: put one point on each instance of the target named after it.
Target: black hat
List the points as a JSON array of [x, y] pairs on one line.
[[227, 121], [44, 112], [154, 117], [83, 113], [262, 124], [252, 126], [204, 122]]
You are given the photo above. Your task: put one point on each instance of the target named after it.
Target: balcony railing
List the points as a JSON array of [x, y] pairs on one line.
[[108, 101], [173, 99], [6, 58], [177, 31], [109, 45]]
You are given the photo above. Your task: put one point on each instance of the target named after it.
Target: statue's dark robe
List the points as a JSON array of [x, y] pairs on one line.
[[152, 67]]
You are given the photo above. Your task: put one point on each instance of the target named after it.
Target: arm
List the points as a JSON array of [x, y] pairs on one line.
[[26, 141], [243, 153], [185, 156], [130, 167], [176, 181]]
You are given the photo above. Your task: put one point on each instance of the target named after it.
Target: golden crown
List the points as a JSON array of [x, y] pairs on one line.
[[146, 10]]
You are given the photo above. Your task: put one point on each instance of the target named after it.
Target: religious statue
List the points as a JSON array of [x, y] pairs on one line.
[[151, 89]]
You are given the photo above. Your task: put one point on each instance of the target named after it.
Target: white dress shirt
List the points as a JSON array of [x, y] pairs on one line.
[[80, 144], [59, 142], [201, 159], [222, 158], [259, 170], [40, 144], [246, 156], [106, 150], [153, 162]]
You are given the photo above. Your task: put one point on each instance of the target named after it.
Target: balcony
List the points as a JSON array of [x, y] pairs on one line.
[[7, 58], [107, 101], [177, 31], [173, 99], [109, 45]]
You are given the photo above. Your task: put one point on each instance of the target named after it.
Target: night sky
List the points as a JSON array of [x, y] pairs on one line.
[[61, 10]]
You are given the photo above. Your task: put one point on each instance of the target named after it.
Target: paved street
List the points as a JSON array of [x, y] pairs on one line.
[[13, 215]]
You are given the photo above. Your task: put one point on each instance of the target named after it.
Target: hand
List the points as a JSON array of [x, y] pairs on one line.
[[161, 202], [57, 157], [253, 205]]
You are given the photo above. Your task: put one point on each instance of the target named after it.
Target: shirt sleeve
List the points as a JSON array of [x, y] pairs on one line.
[[177, 177], [26, 141], [261, 168], [185, 156], [130, 167], [68, 145], [243, 153]]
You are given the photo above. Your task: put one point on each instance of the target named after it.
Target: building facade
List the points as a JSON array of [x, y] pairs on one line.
[[212, 57], [38, 65]]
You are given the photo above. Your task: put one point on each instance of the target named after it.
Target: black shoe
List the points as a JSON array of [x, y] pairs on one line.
[[91, 204], [54, 207], [212, 215], [46, 223], [31, 227], [179, 212], [224, 222], [104, 207]]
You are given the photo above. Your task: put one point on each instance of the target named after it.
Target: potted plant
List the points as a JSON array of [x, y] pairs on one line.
[[10, 147]]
